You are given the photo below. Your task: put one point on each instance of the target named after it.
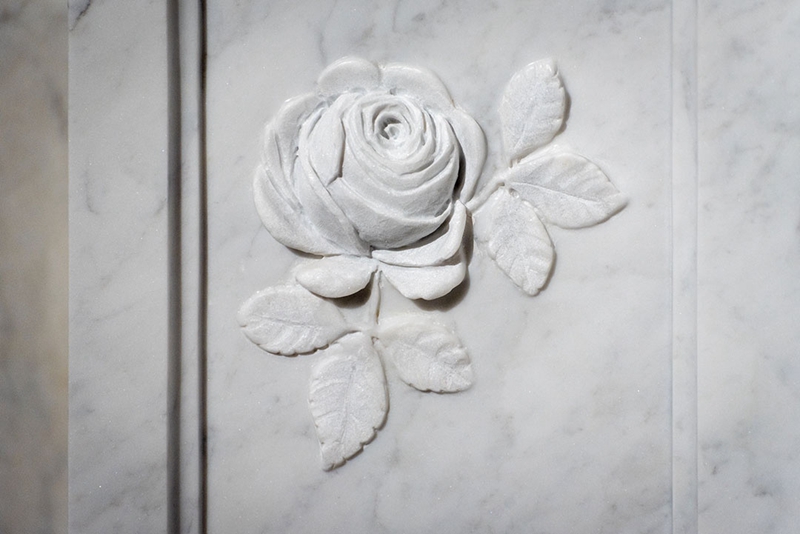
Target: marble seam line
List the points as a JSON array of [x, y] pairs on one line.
[[684, 266]]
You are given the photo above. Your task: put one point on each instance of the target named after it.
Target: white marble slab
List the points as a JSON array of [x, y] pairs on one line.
[[567, 428], [118, 268], [748, 268], [651, 387]]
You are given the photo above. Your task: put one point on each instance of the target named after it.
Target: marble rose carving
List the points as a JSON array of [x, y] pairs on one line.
[[374, 176]]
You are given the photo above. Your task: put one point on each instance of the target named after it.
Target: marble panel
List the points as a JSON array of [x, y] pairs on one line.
[[567, 427]]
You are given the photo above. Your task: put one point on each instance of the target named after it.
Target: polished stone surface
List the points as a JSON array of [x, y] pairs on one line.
[[567, 426], [650, 387], [748, 268], [118, 268]]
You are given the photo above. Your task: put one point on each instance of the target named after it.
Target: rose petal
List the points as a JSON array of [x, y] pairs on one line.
[[286, 223], [275, 193], [327, 139], [473, 147], [419, 83], [379, 224], [368, 121], [336, 276], [439, 248], [426, 282], [348, 74], [286, 126], [425, 193], [441, 146], [445, 142], [381, 167], [325, 214], [371, 179], [273, 164], [320, 208], [379, 187]]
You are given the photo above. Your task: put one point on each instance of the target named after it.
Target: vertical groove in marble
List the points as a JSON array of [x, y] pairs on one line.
[[189, 278], [175, 272], [684, 273], [202, 298]]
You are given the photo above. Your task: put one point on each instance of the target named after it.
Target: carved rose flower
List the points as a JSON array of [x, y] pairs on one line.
[[371, 172]]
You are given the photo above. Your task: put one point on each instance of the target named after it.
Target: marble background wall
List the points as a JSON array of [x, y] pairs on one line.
[[33, 266]]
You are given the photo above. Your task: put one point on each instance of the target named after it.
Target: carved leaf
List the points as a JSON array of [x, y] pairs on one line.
[[532, 109], [289, 320], [427, 356], [347, 397], [336, 276], [567, 190], [516, 239]]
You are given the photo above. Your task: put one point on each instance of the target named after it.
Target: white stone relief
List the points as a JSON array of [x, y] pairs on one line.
[[375, 175]]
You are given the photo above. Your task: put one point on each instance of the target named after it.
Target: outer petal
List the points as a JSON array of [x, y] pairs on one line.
[[279, 208], [436, 250], [427, 282], [326, 142], [417, 82], [473, 147], [320, 208], [325, 215], [274, 168], [336, 276], [286, 126], [348, 74]]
